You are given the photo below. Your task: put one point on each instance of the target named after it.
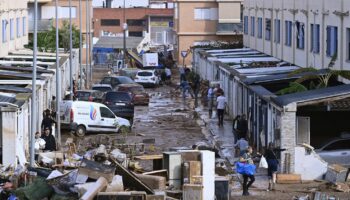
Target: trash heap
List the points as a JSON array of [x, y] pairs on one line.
[[105, 168]]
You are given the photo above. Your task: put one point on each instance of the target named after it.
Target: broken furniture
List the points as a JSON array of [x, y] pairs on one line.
[[157, 160], [336, 173], [96, 170]]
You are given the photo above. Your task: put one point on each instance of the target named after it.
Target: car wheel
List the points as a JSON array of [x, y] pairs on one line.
[[81, 131], [124, 129]]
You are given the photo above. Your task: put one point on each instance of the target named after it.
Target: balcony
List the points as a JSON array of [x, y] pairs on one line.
[[229, 28], [43, 25]]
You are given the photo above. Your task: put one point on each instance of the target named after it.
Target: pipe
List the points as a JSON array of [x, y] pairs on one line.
[[58, 81]]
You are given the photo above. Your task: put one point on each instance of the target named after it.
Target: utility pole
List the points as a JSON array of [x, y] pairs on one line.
[[70, 51], [87, 42], [90, 43], [33, 114], [58, 81], [80, 46]]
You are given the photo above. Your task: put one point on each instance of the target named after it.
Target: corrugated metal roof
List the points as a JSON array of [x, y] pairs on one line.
[[11, 88], [7, 99], [307, 96], [15, 75]]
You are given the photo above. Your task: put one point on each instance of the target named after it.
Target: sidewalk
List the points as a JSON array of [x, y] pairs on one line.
[[222, 138]]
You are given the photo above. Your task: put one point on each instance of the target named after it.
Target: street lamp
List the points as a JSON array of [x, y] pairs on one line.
[[70, 51], [125, 27], [58, 82]]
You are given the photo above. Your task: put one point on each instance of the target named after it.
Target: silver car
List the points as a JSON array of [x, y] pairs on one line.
[[337, 151]]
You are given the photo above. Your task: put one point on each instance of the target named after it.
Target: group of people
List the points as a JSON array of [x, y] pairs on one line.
[[216, 97], [247, 157], [45, 140]]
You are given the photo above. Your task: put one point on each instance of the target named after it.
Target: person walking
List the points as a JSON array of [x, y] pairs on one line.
[[272, 163], [247, 158], [53, 107], [47, 121], [242, 145], [242, 126], [210, 96], [234, 128], [185, 88], [167, 75], [221, 104]]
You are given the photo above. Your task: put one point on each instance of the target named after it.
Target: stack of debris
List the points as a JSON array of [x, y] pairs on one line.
[[97, 169]]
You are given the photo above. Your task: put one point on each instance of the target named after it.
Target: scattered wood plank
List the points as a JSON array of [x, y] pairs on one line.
[[288, 178], [100, 185]]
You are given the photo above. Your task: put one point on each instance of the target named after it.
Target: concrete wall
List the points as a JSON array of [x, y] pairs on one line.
[[13, 10], [322, 12], [309, 164]]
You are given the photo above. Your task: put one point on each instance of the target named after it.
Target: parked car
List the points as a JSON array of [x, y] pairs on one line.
[[129, 72], [102, 87], [81, 117], [120, 103], [114, 81], [89, 95], [138, 93], [336, 151], [147, 78]]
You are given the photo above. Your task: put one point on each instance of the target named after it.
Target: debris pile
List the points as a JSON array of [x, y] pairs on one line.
[[103, 168]]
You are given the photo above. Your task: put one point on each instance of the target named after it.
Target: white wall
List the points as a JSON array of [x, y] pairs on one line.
[[323, 12]]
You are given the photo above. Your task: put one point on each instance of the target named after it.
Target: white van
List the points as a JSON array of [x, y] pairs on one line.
[[84, 116]]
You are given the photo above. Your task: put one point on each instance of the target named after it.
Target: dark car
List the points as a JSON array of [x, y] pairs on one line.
[[138, 93], [102, 87], [114, 81], [120, 103], [89, 95]]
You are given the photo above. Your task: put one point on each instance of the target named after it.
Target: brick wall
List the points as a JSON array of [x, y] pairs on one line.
[[288, 135], [130, 13]]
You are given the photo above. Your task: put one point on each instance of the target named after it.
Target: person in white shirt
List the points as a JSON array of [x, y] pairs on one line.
[[168, 75], [221, 104]]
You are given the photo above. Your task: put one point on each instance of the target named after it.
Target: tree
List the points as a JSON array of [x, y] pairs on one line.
[[47, 39], [323, 78]]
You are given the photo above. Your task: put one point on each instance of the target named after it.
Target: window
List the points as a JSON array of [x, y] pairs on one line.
[[48, 12], [252, 24], [259, 27], [267, 29], [300, 35], [245, 25], [135, 22], [4, 30], [110, 22], [315, 38], [288, 38], [106, 113], [332, 40], [18, 27], [24, 28], [206, 14], [277, 30], [135, 33], [12, 34], [342, 144]]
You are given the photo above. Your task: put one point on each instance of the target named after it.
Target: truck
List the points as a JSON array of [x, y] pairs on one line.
[[150, 60]]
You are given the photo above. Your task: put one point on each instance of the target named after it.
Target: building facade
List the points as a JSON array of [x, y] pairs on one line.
[[157, 22], [304, 32], [202, 21], [14, 25], [46, 17]]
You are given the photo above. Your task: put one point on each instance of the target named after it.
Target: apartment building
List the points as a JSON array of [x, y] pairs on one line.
[[14, 24], [156, 21], [46, 16], [304, 32], [202, 21]]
